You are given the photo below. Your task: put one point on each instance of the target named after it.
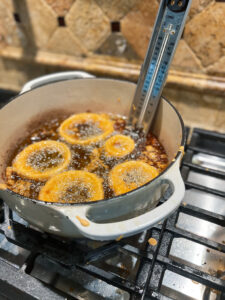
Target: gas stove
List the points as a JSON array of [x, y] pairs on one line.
[[188, 261]]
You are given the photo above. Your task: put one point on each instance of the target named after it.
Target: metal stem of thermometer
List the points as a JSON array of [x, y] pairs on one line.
[[167, 31]]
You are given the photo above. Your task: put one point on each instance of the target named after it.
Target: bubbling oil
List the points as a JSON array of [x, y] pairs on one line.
[[91, 158]]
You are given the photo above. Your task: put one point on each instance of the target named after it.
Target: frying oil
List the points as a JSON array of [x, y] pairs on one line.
[[90, 158]]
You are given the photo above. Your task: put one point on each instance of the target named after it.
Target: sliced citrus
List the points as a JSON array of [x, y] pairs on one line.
[[118, 146], [95, 162], [86, 128], [72, 187], [130, 175], [40, 161]]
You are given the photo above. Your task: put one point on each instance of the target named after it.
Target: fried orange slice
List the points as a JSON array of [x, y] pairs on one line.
[[96, 163], [130, 175], [118, 146], [86, 128], [40, 161], [72, 187]]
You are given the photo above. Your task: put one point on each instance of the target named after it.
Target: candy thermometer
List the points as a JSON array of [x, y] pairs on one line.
[[167, 31]]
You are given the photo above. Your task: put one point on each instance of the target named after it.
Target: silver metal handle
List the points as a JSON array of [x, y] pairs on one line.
[[167, 31], [53, 78]]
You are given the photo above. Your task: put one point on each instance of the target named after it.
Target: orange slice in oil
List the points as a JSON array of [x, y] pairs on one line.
[[86, 128], [40, 161], [72, 187], [118, 146], [130, 175]]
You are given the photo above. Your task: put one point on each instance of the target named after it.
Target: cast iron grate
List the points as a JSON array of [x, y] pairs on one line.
[[143, 265]]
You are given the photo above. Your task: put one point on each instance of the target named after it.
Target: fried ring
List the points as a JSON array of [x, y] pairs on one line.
[[130, 175], [118, 146], [93, 128], [72, 187], [40, 161]]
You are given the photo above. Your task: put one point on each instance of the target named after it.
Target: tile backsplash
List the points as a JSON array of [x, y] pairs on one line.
[[110, 38]]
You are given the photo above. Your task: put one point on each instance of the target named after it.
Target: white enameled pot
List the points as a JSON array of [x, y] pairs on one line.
[[109, 219]]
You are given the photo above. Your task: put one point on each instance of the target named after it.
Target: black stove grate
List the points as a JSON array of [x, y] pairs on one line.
[[143, 266]]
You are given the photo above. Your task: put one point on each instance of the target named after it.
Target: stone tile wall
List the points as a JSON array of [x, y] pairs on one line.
[[119, 28], [110, 37]]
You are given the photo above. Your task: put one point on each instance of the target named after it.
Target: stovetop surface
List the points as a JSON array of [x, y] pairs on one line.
[[188, 261]]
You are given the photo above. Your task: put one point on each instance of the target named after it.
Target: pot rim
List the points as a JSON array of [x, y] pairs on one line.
[[179, 153]]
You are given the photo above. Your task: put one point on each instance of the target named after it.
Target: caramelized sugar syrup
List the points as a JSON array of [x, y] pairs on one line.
[[146, 149]]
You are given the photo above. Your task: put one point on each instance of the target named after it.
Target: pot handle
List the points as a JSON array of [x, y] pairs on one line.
[[42, 80], [117, 230]]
